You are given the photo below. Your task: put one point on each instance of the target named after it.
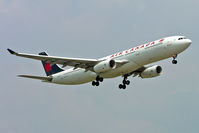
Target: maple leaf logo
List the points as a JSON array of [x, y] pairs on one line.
[[48, 67]]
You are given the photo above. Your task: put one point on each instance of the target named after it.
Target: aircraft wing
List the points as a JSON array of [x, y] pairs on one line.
[[87, 64], [137, 72], [37, 77], [64, 61]]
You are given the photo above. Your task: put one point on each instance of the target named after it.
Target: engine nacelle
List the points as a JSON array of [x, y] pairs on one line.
[[151, 72], [105, 66]]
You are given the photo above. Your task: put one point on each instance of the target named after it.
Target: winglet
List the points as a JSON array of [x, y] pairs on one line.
[[11, 51]]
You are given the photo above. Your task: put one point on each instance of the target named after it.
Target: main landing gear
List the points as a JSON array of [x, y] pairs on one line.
[[98, 80], [125, 82], [174, 61]]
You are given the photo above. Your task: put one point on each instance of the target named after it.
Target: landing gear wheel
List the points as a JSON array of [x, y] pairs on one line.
[[98, 80], [101, 79], [120, 86], [93, 83], [127, 82], [97, 83], [174, 61], [124, 86]]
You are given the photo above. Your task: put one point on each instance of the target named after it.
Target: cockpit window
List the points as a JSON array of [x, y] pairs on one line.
[[181, 38]]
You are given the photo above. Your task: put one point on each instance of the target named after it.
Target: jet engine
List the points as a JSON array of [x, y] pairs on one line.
[[151, 72], [105, 66]]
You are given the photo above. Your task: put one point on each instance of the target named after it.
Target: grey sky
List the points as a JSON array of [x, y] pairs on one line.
[[93, 29]]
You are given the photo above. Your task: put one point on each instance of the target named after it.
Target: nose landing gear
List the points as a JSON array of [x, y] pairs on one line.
[[98, 80], [174, 61], [125, 82]]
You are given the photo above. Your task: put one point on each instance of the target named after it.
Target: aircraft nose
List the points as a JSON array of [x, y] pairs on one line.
[[188, 42]]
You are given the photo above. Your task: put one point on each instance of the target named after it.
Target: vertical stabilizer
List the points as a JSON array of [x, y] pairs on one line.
[[50, 69]]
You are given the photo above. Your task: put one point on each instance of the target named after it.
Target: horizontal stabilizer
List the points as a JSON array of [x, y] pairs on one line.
[[37, 77]]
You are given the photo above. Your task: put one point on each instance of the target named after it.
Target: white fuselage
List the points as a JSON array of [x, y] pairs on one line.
[[136, 57]]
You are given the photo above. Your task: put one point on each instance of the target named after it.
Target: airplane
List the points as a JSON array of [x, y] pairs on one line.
[[126, 63]]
